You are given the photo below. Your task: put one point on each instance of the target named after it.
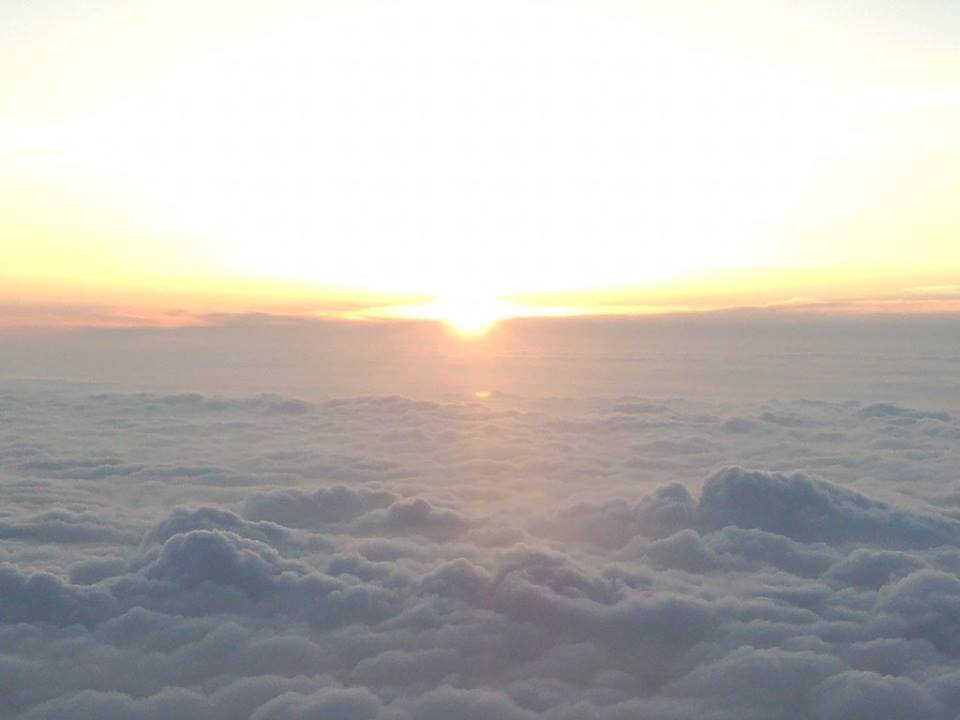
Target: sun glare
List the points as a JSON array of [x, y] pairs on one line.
[[434, 148], [469, 315]]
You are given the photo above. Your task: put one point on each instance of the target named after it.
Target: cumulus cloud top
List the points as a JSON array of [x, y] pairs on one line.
[[387, 558]]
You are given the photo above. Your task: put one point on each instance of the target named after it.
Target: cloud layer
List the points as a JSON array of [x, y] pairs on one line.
[[388, 558]]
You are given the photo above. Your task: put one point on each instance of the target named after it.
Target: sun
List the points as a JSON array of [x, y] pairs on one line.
[[472, 315], [469, 315]]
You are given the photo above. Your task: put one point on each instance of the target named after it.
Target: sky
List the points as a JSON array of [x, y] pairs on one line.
[[168, 160]]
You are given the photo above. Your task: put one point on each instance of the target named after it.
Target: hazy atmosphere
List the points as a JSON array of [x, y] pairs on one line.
[[479, 361]]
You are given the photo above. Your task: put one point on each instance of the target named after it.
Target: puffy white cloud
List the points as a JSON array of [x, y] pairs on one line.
[[295, 508], [384, 558], [855, 695], [802, 508], [44, 598]]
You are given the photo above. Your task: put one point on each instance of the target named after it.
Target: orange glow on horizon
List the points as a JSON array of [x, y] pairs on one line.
[[477, 162], [176, 303]]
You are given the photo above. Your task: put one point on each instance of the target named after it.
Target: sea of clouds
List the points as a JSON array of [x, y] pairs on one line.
[[564, 556]]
